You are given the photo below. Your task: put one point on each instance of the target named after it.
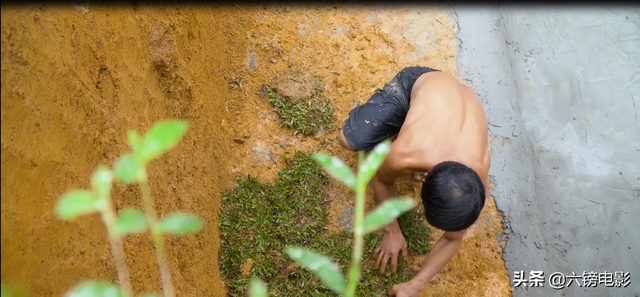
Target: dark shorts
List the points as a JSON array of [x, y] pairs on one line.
[[382, 116]]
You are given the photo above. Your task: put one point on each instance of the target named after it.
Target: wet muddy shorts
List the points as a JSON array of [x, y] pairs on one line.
[[382, 116]]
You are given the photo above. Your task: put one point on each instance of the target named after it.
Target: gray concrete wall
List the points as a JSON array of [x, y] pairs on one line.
[[562, 91]]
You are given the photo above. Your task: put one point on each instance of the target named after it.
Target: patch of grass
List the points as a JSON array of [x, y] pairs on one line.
[[310, 117], [259, 220]]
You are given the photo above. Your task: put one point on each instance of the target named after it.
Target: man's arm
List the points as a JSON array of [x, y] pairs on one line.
[[442, 252], [484, 176], [383, 189], [393, 242], [383, 185]]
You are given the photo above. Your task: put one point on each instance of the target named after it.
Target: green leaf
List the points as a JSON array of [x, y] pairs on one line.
[[13, 292], [376, 157], [6, 291], [135, 141], [336, 168], [131, 221], [325, 269], [101, 181], [386, 212], [257, 288], [128, 169], [180, 224], [95, 289], [76, 203], [160, 138]]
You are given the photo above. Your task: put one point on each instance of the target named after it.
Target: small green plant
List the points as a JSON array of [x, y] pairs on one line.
[[310, 117], [129, 169], [325, 269]]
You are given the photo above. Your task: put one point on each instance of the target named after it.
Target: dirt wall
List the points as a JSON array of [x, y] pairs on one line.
[[74, 79]]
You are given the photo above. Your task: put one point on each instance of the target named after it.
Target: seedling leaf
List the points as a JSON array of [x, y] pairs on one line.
[[376, 157], [336, 168], [95, 289], [257, 288], [325, 269], [180, 224], [76, 203], [6, 291], [131, 221], [386, 212], [135, 141], [101, 181], [160, 138], [128, 169]]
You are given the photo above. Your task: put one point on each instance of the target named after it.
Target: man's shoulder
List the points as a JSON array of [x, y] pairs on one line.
[[437, 78], [397, 163]]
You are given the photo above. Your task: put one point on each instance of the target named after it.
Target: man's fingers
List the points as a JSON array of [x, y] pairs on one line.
[[394, 290], [405, 253], [375, 253], [379, 260], [383, 265], [394, 263]]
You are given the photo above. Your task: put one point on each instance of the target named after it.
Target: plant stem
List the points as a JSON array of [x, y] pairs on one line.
[[109, 219], [165, 272], [356, 257], [123, 273]]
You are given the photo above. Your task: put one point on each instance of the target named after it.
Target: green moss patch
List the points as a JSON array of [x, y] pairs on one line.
[[259, 220]]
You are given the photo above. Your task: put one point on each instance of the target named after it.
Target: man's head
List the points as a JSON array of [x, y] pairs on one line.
[[453, 196]]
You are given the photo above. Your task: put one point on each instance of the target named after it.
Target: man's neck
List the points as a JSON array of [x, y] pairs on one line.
[[424, 160]]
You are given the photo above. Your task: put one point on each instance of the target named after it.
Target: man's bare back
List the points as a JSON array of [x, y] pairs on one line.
[[441, 129], [445, 122]]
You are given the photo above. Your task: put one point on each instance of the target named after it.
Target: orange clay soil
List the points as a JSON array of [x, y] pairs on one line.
[[74, 78]]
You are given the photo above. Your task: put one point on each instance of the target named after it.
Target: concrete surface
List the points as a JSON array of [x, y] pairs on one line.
[[561, 87]]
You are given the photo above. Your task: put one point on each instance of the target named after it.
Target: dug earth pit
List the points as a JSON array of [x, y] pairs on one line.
[[73, 82], [373, 43], [297, 86], [299, 99]]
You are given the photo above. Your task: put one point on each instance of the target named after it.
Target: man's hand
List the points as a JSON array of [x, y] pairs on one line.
[[406, 290], [392, 244]]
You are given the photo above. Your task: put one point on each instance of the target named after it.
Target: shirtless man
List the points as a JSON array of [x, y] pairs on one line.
[[441, 129]]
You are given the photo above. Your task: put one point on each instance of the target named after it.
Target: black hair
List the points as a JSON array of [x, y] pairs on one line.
[[453, 196]]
